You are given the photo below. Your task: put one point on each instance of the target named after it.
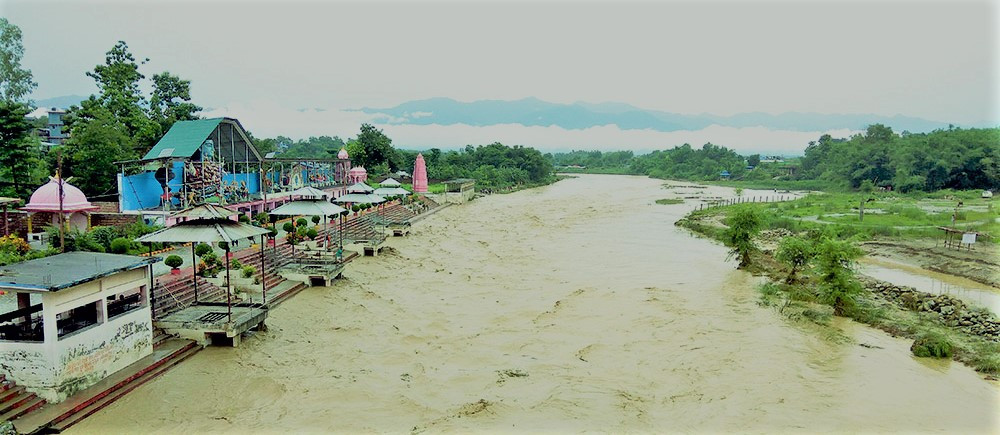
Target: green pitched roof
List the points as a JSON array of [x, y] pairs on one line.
[[184, 138]]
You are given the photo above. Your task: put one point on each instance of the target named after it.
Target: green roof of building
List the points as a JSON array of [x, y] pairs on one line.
[[183, 139]]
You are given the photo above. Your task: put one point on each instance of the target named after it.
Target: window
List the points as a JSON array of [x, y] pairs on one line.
[[125, 302], [78, 318], [24, 324]]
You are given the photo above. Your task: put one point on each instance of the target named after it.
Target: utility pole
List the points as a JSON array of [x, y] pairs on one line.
[[62, 215]]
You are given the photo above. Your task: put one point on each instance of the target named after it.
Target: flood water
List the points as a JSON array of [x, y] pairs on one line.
[[574, 307], [969, 291]]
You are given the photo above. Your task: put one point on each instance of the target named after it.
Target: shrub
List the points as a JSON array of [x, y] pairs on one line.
[[210, 259], [120, 245], [932, 345], [105, 235], [292, 238], [312, 233], [202, 249], [248, 271], [744, 225], [235, 264], [224, 246], [300, 222], [835, 262], [315, 219], [345, 212], [14, 245], [273, 232], [288, 227], [301, 232], [261, 217], [173, 261], [795, 253], [355, 208]]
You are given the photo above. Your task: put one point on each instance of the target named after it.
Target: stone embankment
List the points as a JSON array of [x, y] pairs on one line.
[[949, 310]]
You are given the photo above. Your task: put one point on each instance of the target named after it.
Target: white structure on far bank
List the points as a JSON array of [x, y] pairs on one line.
[[72, 319]]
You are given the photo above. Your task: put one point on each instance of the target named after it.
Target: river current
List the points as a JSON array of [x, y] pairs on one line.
[[573, 307]]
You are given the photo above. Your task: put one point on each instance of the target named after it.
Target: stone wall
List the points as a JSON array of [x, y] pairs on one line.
[[951, 311], [112, 219]]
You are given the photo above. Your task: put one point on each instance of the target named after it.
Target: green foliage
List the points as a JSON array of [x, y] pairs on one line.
[[312, 233], [301, 222], [18, 155], [120, 245], [244, 218], [288, 227], [171, 101], [835, 273], [224, 245], [315, 219], [249, 271], [262, 218], [16, 83], [273, 232], [795, 253], [355, 208], [932, 344], [105, 235], [173, 261], [202, 249], [235, 264], [744, 224]]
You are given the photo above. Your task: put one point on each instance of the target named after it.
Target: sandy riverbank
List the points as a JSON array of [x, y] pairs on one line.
[[572, 307]]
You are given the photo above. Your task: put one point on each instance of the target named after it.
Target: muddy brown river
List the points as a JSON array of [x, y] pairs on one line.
[[574, 307]]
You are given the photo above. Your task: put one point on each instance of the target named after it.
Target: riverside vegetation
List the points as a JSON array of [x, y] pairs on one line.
[[811, 266]]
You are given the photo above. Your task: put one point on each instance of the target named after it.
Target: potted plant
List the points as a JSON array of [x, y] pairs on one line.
[[301, 222], [355, 208], [202, 249], [174, 262], [288, 227], [315, 220], [271, 235]]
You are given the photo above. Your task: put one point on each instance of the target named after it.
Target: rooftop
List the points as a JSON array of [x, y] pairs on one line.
[[66, 270]]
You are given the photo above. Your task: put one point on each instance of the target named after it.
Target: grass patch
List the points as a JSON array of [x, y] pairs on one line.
[[930, 344], [669, 201]]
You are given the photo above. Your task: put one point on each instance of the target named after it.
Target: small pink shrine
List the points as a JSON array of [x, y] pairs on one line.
[[357, 174], [75, 206]]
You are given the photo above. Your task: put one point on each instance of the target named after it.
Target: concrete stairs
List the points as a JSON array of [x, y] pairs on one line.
[[55, 418], [15, 401], [174, 292]]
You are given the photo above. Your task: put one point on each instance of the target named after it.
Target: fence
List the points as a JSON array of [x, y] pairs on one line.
[[744, 200]]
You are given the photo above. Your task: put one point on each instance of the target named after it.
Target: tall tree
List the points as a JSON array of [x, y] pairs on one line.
[[171, 101], [17, 155], [377, 148], [91, 151], [17, 149], [16, 83], [118, 80]]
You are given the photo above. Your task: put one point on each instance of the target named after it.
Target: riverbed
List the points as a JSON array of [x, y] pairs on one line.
[[573, 307]]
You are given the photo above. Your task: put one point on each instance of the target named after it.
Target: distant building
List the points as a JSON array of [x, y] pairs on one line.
[[772, 159], [724, 175], [53, 133]]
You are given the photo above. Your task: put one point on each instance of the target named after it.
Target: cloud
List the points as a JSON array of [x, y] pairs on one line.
[[267, 119]]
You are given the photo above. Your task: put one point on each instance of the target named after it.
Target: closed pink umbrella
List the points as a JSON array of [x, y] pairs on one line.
[[420, 175]]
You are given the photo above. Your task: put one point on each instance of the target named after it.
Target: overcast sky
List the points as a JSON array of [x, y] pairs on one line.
[[263, 61]]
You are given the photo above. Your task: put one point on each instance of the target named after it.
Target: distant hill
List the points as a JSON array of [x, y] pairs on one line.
[[581, 115], [62, 102]]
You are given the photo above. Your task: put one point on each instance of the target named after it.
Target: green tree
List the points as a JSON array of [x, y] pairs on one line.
[[796, 253], [91, 151], [835, 268], [377, 148], [118, 81], [17, 149], [744, 225], [16, 83], [171, 101]]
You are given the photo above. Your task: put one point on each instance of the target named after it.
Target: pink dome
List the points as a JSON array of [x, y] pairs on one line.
[[46, 198], [357, 170], [342, 154]]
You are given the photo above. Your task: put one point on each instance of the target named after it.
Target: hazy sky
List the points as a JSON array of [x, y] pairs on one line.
[[936, 60]]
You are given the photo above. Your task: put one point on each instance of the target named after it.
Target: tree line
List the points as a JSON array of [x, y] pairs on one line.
[[954, 158]]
